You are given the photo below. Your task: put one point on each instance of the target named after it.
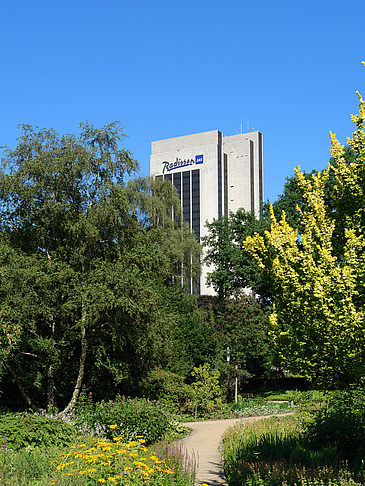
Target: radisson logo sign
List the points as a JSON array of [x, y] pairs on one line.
[[168, 166]]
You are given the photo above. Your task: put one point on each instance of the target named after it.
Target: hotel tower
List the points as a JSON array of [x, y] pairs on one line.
[[213, 175]]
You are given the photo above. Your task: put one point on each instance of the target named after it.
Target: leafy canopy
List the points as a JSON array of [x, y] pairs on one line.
[[318, 319], [84, 259]]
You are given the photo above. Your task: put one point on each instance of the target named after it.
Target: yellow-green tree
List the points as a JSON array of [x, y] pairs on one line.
[[318, 323]]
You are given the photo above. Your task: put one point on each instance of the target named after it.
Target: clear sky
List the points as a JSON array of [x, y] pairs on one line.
[[169, 68]]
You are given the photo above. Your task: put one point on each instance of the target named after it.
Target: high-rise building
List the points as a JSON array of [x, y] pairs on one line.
[[213, 175]]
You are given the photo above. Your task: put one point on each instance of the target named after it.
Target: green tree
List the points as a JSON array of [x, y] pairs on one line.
[[242, 324], [84, 259], [318, 319], [234, 269]]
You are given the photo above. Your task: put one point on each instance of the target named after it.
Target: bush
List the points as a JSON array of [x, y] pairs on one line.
[[30, 430], [133, 417], [207, 392], [168, 388], [340, 424]]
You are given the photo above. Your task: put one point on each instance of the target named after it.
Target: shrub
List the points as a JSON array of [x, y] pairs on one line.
[[207, 392], [31, 430], [136, 416], [168, 388], [341, 424]]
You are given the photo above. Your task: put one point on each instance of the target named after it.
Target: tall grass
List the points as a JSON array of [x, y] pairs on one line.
[[273, 452]]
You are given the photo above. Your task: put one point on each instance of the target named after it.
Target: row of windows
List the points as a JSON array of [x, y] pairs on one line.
[[187, 185]]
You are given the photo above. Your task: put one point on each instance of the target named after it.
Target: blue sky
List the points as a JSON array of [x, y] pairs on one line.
[[168, 68]]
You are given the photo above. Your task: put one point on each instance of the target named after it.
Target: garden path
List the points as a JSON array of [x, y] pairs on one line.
[[204, 442]]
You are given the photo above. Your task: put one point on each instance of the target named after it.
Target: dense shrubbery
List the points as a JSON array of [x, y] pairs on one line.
[[136, 416], [29, 430], [341, 424], [169, 388]]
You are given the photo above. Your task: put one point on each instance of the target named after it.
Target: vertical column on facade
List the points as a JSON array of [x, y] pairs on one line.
[[252, 175], [225, 185], [219, 182], [177, 183], [261, 184], [186, 205], [195, 218]]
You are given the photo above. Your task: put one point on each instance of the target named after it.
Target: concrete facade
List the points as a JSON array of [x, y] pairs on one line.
[[213, 176]]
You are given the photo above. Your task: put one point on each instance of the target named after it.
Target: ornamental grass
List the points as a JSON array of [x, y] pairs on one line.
[[273, 452]]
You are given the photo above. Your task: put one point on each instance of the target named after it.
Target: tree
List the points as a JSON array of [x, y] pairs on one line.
[[233, 268], [83, 259], [242, 325], [318, 317]]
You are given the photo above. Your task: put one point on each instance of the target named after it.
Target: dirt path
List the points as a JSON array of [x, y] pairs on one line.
[[204, 442]]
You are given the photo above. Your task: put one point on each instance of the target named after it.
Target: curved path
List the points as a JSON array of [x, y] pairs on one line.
[[204, 442]]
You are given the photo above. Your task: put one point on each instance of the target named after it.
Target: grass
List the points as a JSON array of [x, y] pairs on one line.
[[272, 452]]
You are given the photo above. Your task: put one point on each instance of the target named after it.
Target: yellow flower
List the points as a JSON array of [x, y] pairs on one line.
[[111, 479], [114, 426], [102, 480]]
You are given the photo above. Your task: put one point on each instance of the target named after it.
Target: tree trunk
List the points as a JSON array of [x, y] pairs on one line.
[[50, 377], [80, 376], [50, 389]]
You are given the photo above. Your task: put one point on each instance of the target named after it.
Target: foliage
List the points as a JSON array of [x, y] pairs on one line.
[[207, 391], [252, 408], [192, 340], [233, 268], [318, 318], [84, 260], [27, 467], [242, 325], [272, 452], [98, 460], [27, 430], [167, 387], [133, 417], [341, 424], [118, 461]]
